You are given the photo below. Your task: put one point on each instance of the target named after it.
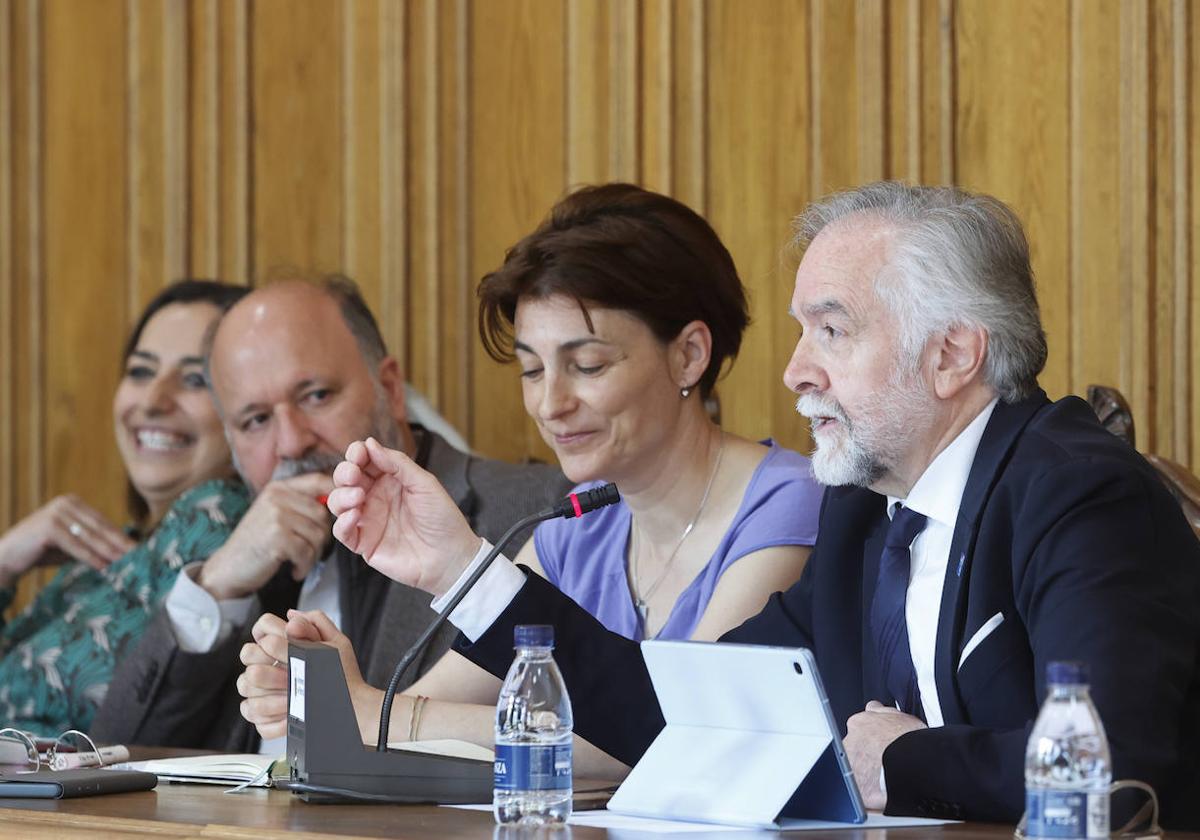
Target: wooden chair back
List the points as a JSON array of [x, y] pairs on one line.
[[1112, 409]]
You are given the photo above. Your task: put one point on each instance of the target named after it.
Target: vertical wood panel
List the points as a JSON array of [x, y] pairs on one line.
[[235, 228], [657, 85], [425, 196], [602, 74], [1180, 142], [456, 334], [1162, 231], [174, 36], [156, 191], [754, 196], [1011, 140], [27, 255], [8, 346], [905, 115], [1136, 219], [393, 150], [589, 78], [689, 153], [517, 103], [203, 166], [1098, 333], [624, 159], [834, 72], [1193, 24], [870, 20], [84, 242], [362, 235], [297, 137], [29, 296]]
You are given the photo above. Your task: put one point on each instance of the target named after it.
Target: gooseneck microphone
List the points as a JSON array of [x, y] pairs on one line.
[[574, 505]]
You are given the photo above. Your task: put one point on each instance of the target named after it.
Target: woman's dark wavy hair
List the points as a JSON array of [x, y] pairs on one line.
[[222, 296], [618, 246]]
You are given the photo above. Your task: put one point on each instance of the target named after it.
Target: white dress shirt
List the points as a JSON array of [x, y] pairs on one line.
[[937, 494]]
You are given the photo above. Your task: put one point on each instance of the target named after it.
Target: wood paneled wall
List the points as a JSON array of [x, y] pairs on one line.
[[408, 143]]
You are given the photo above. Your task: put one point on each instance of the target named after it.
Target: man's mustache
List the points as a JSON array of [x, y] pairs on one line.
[[318, 462], [811, 405]]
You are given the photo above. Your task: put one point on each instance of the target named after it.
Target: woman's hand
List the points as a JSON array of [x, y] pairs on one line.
[[63, 527], [264, 683], [399, 518]]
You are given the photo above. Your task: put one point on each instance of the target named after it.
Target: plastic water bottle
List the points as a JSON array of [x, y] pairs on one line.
[[532, 783], [1067, 765]]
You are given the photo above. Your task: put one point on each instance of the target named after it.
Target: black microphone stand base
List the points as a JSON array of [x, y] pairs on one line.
[[329, 761]]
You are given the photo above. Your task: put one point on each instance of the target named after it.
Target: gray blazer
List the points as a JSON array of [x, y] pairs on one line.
[[163, 696]]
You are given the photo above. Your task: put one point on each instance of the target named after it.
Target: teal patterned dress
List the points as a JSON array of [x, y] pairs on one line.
[[57, 657]]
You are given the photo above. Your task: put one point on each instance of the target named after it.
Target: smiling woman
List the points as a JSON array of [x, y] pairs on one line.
[[57, 657]]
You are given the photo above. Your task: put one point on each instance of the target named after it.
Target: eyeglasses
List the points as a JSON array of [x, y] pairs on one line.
[[56, 754]]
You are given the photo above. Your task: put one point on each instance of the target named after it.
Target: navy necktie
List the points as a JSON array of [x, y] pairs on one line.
[[888, 624]]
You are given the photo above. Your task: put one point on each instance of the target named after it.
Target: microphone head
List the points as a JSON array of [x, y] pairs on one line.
[[577, 504]]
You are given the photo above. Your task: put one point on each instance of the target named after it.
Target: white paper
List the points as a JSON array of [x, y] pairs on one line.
[[296, 692], [445, 746], [209, 769]]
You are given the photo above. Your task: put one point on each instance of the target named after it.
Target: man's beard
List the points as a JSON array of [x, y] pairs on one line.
[[868, 449]]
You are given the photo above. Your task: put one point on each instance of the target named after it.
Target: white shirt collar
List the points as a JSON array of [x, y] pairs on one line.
[[939, 490]]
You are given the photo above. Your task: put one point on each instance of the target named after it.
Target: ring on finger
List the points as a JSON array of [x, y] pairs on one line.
[[75, 529], [276, 664]]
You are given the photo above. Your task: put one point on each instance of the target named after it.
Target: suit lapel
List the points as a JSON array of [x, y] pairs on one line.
[[1003, 429]]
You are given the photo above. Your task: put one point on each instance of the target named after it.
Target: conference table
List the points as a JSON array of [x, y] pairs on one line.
[[175, 810], [206, 811]]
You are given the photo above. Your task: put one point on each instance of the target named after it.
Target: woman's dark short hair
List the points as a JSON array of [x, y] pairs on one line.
[[618, 246], [220, 295]]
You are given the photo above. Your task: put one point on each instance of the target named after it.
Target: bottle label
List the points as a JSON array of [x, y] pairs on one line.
[[533, 767], [1066, 813]]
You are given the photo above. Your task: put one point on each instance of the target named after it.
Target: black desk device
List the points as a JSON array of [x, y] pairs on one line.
[[325, 747]]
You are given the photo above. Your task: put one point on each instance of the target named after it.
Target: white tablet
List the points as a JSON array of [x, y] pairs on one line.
[[750, 740]]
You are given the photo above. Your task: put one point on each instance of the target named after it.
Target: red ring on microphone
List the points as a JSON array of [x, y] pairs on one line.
[[575, 503]]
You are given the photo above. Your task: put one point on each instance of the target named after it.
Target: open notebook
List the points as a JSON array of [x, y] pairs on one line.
[[262, 770]]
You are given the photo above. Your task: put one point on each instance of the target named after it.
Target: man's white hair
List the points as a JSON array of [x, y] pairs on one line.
[[955, 259]]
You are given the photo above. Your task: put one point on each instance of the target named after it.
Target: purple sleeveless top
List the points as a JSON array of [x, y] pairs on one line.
[[585, 558]]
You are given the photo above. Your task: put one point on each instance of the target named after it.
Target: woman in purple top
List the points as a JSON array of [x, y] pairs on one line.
[[587, 558], [622, 309]]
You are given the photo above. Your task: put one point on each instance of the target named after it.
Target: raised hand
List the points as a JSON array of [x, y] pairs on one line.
[[398, 517], [264, 683], [286, 524], [65, 527]]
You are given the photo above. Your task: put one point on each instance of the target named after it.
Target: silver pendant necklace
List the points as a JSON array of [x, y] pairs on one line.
[[641, 598]]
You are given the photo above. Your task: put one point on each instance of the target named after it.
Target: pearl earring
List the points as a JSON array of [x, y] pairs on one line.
[[685, 391]]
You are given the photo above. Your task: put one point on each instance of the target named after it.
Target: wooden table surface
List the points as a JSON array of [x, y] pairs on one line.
[[206, 811], [184, 811]]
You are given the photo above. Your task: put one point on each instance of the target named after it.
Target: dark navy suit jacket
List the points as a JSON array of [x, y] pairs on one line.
[[1063, 530]]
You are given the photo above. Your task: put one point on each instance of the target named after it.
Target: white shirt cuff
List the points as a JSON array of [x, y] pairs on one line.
[[882, 782], [487, 599], [201, 622]]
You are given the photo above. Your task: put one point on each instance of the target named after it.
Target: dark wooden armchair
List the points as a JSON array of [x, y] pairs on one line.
[[1114, 414]]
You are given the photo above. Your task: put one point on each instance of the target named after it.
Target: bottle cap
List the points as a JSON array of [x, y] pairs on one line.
[[1067, 673], [533, 635]]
